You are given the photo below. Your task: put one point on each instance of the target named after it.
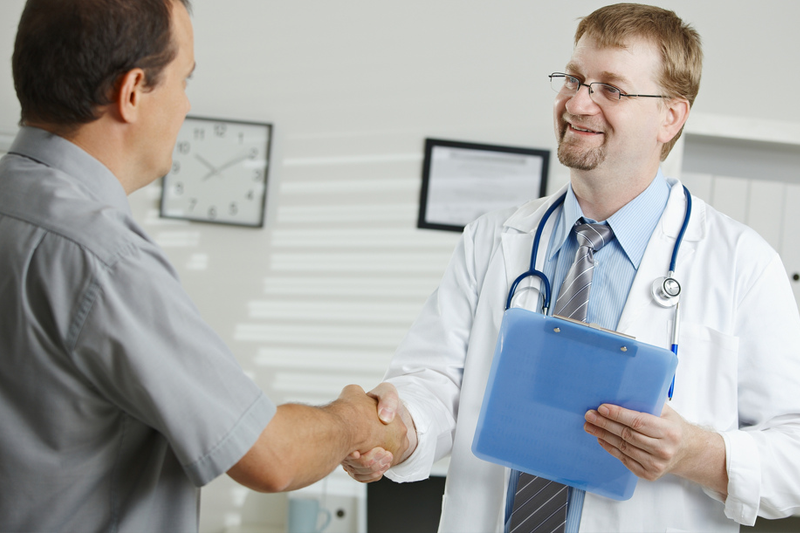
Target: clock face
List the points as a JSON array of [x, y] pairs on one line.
[[219, 172]]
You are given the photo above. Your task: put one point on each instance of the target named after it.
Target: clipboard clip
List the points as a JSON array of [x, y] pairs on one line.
[[594, 326]]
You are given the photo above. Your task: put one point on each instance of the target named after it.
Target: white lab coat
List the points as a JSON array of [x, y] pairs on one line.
[[738, 371]]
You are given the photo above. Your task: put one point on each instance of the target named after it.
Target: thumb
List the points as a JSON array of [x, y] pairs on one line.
[[388, 401]]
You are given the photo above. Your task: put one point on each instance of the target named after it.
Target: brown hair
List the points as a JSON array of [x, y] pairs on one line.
[[69, 55], [679, 43]]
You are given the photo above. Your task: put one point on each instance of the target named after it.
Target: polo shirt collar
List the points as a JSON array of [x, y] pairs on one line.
[[89, 174]]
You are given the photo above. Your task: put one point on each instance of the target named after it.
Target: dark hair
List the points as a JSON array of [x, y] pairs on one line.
[[70, 54]]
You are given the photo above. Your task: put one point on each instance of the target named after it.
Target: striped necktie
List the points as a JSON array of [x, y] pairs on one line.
[[540, 505], [573, 298]]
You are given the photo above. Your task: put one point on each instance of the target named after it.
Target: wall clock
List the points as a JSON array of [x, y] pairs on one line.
[[219, 172]]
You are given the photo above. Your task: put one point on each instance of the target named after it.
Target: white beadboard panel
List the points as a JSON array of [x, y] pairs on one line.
[[765, 205], [328, 383], [354, 213], [178, 239], [350, 360], [700, 185], [729, 196], [332, 311], [312, 333], [382, 185], [350, 160], [373, 237], [385, 287], [197, 262], [790, 241], [362, 262], [5, 142]]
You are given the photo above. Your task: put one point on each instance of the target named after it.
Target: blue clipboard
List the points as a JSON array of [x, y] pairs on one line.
[[546, 373]]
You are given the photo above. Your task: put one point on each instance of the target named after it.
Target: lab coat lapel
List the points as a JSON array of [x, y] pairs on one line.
[[517, 244]]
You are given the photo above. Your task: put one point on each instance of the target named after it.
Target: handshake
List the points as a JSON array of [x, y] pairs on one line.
[[302, 444], [369, 462]]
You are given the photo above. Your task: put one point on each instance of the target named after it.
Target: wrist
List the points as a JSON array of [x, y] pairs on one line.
[[411, 434], [345, 416], [704, 460]]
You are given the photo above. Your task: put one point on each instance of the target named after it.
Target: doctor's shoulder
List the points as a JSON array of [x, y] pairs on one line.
[[730, 237], [494, 223], [483, 236]]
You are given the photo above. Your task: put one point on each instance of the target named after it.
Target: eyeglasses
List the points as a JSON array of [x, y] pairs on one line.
[[600, 93]]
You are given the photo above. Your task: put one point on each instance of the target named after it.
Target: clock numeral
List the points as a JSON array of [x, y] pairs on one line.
[[257, 175], [253, 153], [241, 137], [212, 212], [199, 134], [184, 147], [233, 209], [176, 167], [192, 203], [179, 188], [250, 195], [220, 129]]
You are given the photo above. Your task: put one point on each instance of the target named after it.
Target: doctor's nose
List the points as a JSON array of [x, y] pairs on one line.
[[582, 103]]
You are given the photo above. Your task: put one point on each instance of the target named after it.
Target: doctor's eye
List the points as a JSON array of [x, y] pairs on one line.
[[608, 92]]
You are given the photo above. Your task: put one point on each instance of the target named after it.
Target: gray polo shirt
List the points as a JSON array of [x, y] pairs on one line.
[[116, 400]]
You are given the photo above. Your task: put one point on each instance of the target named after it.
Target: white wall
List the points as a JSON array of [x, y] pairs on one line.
[[320, 297]]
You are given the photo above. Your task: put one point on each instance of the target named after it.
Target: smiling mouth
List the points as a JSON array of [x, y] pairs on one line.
[[584, 130]]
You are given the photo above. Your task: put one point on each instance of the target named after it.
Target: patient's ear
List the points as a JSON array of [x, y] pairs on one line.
[[127, 99]]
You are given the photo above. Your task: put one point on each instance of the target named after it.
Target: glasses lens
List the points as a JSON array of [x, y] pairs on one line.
[[605, 94], [562, 83]]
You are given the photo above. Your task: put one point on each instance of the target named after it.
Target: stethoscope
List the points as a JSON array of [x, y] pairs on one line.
[[666, 290]]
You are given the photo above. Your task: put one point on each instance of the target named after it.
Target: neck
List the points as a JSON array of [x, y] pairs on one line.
[[102, 140], [601, 196]]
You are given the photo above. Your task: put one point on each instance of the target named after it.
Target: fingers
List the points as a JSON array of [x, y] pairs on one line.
[[388, 401], [629, 462], [634, 432], [642, 423], [392, 430], [646, 444], [368, 467]]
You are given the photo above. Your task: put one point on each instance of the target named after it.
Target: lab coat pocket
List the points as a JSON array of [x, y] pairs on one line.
[[707, 376]]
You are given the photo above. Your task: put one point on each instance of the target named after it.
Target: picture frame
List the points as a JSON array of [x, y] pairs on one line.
[[464, 180]]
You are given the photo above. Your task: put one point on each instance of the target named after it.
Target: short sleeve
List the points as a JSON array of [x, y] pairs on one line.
[[141, 342]]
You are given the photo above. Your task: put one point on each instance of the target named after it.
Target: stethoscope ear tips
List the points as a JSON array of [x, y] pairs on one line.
[[666, 291]]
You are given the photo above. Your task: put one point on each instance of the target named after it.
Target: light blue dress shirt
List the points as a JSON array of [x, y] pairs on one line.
[[615, 267]]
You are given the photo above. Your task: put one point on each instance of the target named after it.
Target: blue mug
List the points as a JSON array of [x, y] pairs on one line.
[[304, 514]]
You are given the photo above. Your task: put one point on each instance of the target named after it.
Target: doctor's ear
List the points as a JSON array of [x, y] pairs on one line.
[[675, 114]]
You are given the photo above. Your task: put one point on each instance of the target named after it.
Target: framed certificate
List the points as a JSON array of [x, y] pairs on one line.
[[462, 181]]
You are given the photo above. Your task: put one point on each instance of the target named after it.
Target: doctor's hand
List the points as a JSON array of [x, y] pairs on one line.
[[370, 466], [652, 446], [358, 412]]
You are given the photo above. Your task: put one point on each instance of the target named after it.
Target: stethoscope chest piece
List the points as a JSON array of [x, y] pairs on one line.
[[666, 291]]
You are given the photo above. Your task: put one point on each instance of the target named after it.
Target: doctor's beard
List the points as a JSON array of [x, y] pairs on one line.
[[571, 155]]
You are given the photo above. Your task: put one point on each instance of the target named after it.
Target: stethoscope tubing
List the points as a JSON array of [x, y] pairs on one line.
[[546, 282]]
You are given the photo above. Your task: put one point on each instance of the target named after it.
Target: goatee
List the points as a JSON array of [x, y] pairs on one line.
[[572, 155]]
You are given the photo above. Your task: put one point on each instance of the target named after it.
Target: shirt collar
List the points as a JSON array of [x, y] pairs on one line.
[[93, 178], [633, 224]]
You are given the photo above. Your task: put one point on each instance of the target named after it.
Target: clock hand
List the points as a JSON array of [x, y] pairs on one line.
[[233, 162], [207, 164]]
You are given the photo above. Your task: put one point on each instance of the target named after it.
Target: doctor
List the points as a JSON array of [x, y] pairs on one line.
[[727, 447]]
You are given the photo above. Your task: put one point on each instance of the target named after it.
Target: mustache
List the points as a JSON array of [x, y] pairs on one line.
[[583, 121]]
